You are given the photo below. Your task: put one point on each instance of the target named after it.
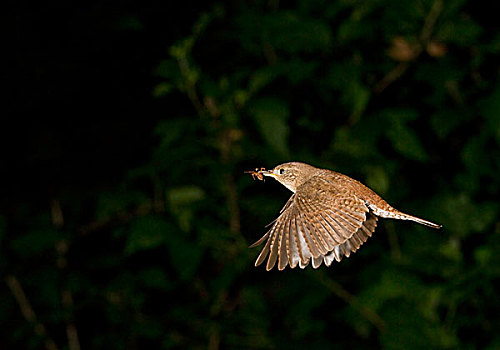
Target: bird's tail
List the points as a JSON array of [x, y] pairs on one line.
[[419, 220], [392, 213]]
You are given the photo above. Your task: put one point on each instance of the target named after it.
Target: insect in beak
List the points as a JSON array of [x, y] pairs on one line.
[[257, 173]]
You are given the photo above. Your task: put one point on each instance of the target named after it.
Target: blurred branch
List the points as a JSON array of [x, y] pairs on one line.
[[66, 297], [28, 312], [269, 53], [181, 53], [430, 22], [393, 240], [391, 77], [214, 338], [71, 330], [190, 86], [226, 142], [424, 39], [337, 289], [119, 219], [274, 4], [226, 136], [56, 213]]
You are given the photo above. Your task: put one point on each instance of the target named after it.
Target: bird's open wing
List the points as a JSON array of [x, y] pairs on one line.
[[317, 218], [352, 244]]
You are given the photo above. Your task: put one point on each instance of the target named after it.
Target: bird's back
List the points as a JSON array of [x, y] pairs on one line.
[[356, 188]]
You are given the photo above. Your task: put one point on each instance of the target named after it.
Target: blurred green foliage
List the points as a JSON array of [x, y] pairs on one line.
[[402, 96]]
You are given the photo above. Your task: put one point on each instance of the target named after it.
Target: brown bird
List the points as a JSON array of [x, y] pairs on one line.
[[328, 216]]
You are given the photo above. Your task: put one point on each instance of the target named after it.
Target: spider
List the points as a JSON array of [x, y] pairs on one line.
[[257, 173]]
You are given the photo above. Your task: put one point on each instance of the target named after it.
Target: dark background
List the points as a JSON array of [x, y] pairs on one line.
[[125, 215]]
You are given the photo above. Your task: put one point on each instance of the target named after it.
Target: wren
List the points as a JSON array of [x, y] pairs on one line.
[[328, 216]]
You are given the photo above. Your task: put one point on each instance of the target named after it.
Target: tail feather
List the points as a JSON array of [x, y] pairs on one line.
[[392, 213], [420, 221]]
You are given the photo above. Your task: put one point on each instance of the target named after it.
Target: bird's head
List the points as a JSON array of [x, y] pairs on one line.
[[291, 175]]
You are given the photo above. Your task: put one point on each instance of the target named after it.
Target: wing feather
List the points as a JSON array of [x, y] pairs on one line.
[[283, 256], [355, 242], [273, 249], [316, 226]]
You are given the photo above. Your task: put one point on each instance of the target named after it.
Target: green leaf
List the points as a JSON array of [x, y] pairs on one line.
[[154, 278], [480, 162], [181, 200], [357, 98], [162, 89], [263, 77], [359, 141], [460, 31], [169, 69], [463, 217], [378, 179], [171, 131], [185, 254], [112, 203], [173, 152], [490, 110], [295, 70], [286, 31], [445, 121], [147, 233], [185, 195], [271, 117], [346, 78], [36, 241], [483, 256], [451, 249], [404, 139]]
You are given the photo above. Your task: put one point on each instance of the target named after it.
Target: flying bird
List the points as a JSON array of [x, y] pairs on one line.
[[328, 216]]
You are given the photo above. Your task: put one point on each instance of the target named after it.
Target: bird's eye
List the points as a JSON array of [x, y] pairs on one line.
[[282, 171]]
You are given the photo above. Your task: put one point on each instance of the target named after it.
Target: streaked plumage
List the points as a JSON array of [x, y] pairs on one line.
[[329, 216]]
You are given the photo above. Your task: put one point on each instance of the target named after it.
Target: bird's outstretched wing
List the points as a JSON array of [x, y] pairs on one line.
[[319, 222], [351, 245]]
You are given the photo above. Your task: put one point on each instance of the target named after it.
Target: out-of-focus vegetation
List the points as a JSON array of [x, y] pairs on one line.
[[404, 96]]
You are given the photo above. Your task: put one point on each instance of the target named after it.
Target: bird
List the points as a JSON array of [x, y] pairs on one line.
[[328, 216]]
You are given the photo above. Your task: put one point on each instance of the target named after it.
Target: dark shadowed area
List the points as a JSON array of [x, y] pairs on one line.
[[125, 212]]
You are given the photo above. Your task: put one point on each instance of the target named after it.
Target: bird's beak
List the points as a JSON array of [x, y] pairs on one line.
[[269, 173]]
